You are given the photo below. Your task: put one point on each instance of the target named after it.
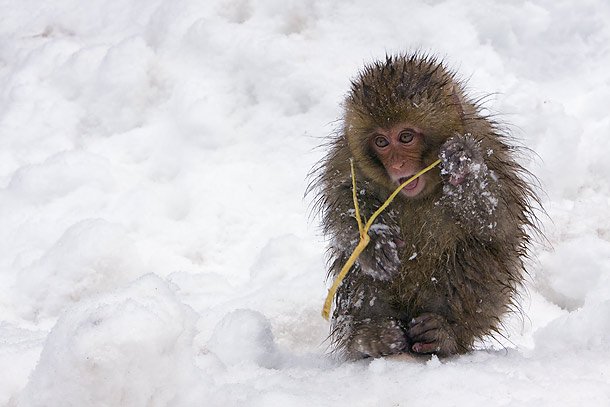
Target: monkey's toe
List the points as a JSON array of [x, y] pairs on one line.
[[431, 333]]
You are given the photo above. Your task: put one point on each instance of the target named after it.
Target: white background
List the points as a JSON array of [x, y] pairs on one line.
[[155, 245]]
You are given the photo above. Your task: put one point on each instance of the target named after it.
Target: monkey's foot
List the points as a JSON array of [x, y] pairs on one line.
[[378, 338], [431, 333]]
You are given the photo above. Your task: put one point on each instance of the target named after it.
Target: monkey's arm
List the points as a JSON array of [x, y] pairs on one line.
[[364, 323], [471, 190], [380, 258]]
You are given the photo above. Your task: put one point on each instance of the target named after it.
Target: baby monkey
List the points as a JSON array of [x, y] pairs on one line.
[[447, 256]]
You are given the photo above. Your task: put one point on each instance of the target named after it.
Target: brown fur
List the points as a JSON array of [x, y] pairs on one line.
[[462, 260]]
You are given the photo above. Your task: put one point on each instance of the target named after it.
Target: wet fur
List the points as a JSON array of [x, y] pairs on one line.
[[452, 264]]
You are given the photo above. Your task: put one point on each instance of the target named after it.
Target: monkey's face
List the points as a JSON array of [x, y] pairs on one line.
[[399, 148]]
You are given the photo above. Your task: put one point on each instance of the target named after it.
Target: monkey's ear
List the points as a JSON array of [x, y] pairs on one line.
[[457, 97]]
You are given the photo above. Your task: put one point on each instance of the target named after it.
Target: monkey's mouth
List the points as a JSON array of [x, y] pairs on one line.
[[411, 185]]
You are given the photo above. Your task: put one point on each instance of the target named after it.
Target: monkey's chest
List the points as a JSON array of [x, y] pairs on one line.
[[424, 281], [428, 272]]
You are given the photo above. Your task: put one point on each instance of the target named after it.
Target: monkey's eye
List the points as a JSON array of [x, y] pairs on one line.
[[381, 141], [406, 137]]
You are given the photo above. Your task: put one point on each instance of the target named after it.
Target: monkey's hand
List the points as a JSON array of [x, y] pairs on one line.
[[470, 189], [432, 333], [460, 158], [380, 258], [378, 338]]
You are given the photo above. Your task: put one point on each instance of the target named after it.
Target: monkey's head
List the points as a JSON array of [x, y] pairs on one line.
[[398, 113]]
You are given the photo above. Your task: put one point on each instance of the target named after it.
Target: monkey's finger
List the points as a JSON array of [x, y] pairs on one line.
[[381, 273], [457, 179], [423, 347], [390, 253], [386, 268], [425, 318], [388, 263], [417, 332], [422, 324], [373, 349], [427, 336], [399, 242]]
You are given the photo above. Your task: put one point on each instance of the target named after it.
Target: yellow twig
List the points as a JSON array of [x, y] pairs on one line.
[[364, 233], [356, 207]]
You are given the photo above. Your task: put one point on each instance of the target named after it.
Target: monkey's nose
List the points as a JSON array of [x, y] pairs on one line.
[[398, 165]]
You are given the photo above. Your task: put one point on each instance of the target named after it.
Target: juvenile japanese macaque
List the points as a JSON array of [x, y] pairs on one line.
[[446, 257]]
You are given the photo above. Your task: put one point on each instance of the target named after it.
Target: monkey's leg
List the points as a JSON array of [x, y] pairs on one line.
[[364, 323], [432, 333], [375, 338]]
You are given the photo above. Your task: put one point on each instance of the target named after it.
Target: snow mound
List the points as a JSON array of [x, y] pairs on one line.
[[587, 329], [91, 257], [130, 347], [244, 336], [576, 272], [76, 169]]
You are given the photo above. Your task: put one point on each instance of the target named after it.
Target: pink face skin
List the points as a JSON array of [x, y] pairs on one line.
[[399, 150]]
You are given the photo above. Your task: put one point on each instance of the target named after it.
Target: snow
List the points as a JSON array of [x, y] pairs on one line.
[[140, 334], [155, 245], [244, 336]]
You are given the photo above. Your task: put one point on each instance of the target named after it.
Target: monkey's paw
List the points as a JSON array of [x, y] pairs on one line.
[[431, 333], [380, 259], [460, 156], [378, 338]]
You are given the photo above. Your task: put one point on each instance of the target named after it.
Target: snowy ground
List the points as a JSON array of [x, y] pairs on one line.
[[155, 245]]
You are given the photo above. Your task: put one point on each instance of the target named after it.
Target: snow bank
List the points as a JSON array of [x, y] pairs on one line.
[[244, 336], [586, 329], [91, 257], [129, 347], [577, 272]]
